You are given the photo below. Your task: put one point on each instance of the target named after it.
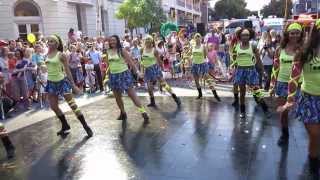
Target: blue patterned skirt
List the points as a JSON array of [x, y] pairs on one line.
[[308, 108], [153, 73], [211, 66], [200, 69], [121, 81], [246, 76], [282, 89], [59, 88]]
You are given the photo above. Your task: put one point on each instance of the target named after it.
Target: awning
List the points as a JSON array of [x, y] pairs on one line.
[[83, 2]]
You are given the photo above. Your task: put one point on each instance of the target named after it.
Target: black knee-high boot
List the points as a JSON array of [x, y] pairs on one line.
[[176, 99], [199, 93], [263, 104], [236, 100], [122, 116], [242, 111], [314, 165], [85, 125], [64, 126], [284, 138], [8, 146], [215, 94], [152, 102]]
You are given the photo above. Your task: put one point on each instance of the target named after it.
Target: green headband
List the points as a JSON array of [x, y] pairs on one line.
[[294, 26], [318, 24], [55, 38]]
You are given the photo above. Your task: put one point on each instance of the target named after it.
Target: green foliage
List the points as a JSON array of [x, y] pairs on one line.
[[231, 9], [277, 8], [141, 13]]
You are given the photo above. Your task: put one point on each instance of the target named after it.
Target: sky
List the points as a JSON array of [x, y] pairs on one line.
[[252, 5]]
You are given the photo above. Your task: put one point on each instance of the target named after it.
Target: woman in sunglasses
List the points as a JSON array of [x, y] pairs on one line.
[[307, 65], [283, 61], [246, 56]]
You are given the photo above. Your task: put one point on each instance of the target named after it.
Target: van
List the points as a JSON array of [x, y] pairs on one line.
[[243, 23], [274, 23]]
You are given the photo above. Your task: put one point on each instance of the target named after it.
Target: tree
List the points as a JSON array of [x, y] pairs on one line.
[[277, 8], [141, 13], [226, 9]]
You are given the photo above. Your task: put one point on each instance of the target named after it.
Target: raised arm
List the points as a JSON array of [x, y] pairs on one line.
[[275, 69], [294, 78], [129, 61]]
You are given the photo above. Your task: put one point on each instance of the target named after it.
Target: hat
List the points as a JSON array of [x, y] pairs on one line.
[[318, 24], [294, 26]]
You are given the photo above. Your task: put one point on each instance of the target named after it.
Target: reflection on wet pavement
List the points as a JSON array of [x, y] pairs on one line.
[[204, 140]]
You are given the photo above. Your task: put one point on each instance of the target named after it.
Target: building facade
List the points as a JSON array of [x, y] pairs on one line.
[[91, 17], [306, 6], [186, 12]]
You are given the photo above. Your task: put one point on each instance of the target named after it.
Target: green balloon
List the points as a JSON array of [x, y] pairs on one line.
[[167, 28]]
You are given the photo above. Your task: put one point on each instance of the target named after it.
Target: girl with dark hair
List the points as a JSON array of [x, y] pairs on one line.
[[283, 61], [60, 85], [245, 72], [200, 67], [307, 65], [120, 78], [150, 61]]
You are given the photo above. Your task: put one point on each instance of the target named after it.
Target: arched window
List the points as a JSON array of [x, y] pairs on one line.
[[26, 8]]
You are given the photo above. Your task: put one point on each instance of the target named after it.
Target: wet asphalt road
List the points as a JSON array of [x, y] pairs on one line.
[[204, 140]]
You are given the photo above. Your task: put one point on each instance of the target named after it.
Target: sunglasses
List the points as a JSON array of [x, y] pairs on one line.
[[245, 34], [294, 33]]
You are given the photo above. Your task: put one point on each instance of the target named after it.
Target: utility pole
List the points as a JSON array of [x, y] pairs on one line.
[[286, 11], [99, 28]]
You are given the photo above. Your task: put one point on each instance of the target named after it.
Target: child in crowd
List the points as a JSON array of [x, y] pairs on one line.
[[90, 78], [42, 80]]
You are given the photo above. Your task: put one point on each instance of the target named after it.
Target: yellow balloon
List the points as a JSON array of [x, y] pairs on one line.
[[31, 38]]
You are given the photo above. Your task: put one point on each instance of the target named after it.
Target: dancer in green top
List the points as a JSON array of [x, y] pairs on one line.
[[120, 78], [200, 67], [307, 66], [283, 61], [150, 61], [60, 83], [245, 57]]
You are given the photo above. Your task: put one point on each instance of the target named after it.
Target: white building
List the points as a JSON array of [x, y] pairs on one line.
[[92, 17], [184, 12]]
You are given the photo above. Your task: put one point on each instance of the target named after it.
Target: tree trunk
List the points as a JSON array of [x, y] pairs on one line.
[[131, 32]]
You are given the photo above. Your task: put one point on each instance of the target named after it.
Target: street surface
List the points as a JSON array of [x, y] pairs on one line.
[[204, 140]]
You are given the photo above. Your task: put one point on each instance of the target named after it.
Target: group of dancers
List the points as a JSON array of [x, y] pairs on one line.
[[296, 69]]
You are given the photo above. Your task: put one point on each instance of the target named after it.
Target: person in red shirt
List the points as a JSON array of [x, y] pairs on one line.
[[11, 61]]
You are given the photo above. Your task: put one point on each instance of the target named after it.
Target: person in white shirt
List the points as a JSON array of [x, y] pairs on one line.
[[266, 51]]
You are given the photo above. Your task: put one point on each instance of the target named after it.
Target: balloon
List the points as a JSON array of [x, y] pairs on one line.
[[31, 38]]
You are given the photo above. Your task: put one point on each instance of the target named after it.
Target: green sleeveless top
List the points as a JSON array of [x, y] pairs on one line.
[[311, 77], [148, 59], [55, 68], [197, 55], [116, 63], [244, 56], [286, 62]]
